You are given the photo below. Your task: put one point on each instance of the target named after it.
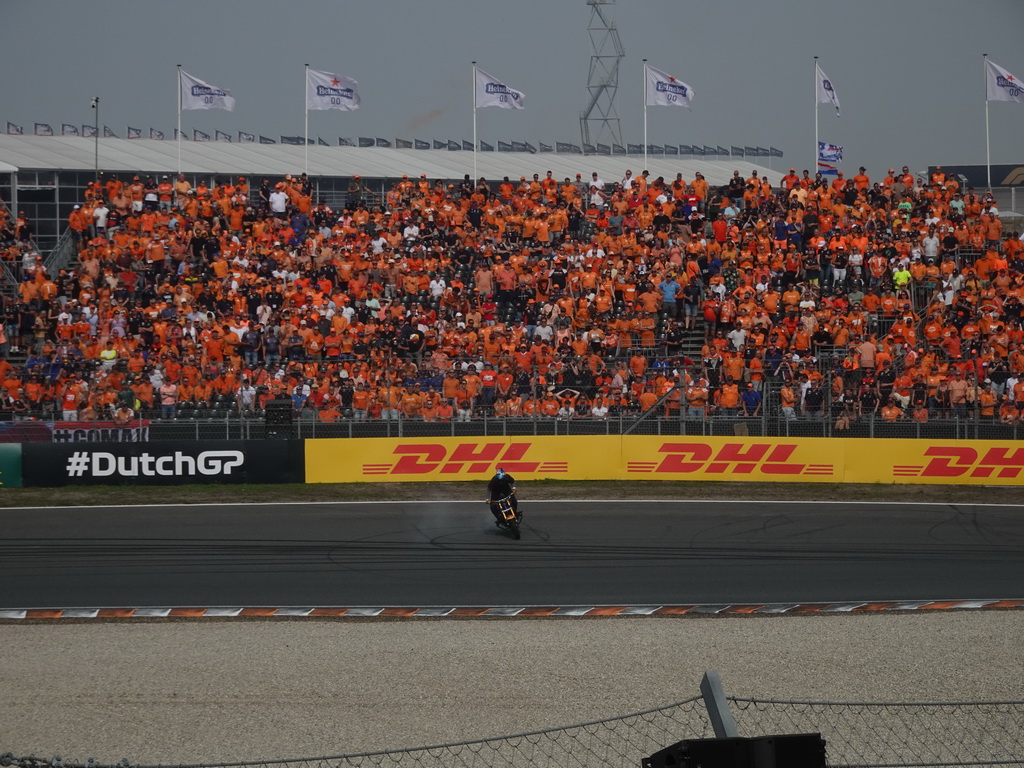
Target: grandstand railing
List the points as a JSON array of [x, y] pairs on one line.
[[64, 253], [255, 428]]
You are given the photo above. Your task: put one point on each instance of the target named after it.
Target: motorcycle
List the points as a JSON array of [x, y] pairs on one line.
[[510, 519]]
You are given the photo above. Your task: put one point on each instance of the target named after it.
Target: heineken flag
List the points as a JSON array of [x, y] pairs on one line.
[[221, 136], [762, 152], [530, 148], [589, 149], [618, 149], [134, 133], [366, 141], [155, 134], [246, 138], [265, 140], [421, 144], [685, 149], [655, 149], [773, 152], [195, 94], [43, 129], [604, 149], [89, 131], [575, 149], [198, 135], [485, 147], [751, 151], [671, 149], [518, 146], [321, 143], [635, 149], [723, 152], [494, 93], [698, 150], [665, 90], [737, 151], [403, 144], [325, 90], [292, 140], [440, 144], [454, 146], [710, 151], [344, 142], [504, 146], [382, 143], [108, 134], [16, 130], [182, 135], [546, 147], [562, 146], [467, 146], [66, 129]]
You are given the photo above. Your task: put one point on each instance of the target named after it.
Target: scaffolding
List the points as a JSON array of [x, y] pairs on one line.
[[599, 122]]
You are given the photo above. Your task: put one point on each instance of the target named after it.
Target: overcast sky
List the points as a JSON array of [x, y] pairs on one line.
[[908, 72]]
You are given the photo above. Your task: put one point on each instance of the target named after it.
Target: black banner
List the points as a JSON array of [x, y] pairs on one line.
[[176, 462], [977, 175]]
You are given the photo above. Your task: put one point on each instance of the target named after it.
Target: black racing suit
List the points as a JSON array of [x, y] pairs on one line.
[[499, 489]]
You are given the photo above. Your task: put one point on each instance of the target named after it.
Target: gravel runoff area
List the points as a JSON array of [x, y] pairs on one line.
[[203, 691]]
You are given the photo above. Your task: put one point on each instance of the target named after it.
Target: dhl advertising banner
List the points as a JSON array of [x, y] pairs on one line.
[[665, 458]]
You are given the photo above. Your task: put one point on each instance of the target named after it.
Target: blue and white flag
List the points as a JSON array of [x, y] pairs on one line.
[[108, 134], [829, 153], [66, 129], [156, 135], [196, 94], [198, 135], [89, 131], [246, 138], [663, 90], [326, 90], [826, 93], [221, 136], [13, 130], [1001, 85], [43, 129], [491, 92], [134, 133]]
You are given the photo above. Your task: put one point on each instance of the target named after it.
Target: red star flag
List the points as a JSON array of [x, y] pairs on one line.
[[1001, 85], [195, 94], [663, 90], [325, 90]]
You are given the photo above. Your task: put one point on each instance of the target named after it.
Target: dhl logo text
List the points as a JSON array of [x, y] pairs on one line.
[[465, 458], [729, 459], [962, 461]]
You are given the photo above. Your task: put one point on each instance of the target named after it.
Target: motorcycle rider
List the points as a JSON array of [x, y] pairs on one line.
[[500, 486]]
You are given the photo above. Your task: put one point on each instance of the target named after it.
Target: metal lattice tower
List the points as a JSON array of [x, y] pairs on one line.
[[599, 122]]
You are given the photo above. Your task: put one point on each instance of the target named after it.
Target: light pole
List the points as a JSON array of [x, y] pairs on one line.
[[96, 134]]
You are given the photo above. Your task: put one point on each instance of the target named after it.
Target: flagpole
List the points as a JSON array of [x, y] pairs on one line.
[[645, 116], [305, 132], [178, 137], [988, 146], [814, 166], [474, 126], [96, 134]]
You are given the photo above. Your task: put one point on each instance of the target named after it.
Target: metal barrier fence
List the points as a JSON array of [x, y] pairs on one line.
[[858, 735], [239, 428]]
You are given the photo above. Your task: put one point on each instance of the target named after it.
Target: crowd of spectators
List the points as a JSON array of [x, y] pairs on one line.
[[817, 298]]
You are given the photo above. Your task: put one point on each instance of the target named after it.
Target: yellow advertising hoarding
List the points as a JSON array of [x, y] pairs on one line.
[[631, 457]]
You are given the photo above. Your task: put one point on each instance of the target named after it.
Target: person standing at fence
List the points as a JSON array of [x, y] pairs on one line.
[[168, 399]]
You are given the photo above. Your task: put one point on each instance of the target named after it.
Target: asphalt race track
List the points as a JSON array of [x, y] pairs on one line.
[[571, 553]]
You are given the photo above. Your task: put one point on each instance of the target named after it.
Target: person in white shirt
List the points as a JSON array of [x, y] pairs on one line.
[[278, 203]]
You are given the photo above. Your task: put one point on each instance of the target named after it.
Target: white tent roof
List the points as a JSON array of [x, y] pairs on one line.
[[224, 158]]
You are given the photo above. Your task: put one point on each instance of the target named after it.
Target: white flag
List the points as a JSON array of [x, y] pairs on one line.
[[663, 90], [826, 93], [1001, 85], [195, 94], [325, 90], [494, 93]]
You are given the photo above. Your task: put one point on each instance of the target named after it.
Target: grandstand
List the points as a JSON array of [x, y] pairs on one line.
[[389, 287]]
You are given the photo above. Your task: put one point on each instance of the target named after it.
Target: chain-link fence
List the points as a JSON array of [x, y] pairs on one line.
[[858, 735], [946, 734]]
